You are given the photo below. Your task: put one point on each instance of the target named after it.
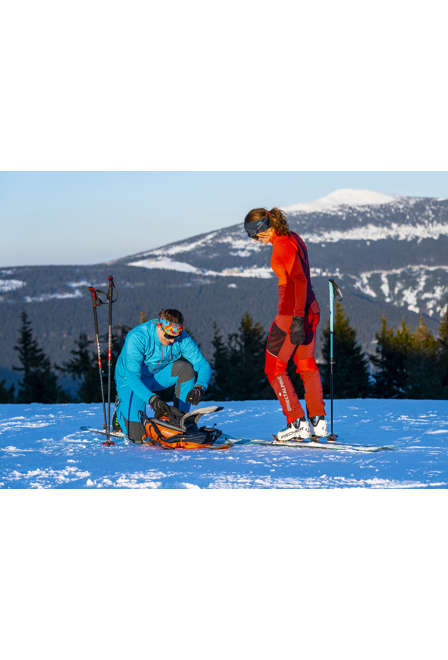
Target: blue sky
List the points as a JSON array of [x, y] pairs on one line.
[[89, 217]]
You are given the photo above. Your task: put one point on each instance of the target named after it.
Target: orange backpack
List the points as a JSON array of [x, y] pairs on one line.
[[184, 433]]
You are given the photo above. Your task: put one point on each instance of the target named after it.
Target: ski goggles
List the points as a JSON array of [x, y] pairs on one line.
[[170, 329], [257, 227]]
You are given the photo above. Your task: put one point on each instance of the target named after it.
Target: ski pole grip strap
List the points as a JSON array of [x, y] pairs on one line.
[[96, 298]]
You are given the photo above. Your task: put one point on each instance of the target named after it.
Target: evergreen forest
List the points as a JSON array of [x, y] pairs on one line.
[[406, 363]]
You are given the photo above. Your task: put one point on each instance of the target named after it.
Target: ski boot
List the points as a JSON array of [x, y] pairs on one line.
[[319, 426], [299, 429]]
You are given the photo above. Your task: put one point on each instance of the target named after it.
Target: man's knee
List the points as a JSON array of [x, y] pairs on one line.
[[183, 371], [306, 364], [273, 367]]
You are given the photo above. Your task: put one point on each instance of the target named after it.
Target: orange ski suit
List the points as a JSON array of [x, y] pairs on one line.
[[295, 298]]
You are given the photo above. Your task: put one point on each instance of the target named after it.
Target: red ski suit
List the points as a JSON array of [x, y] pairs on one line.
[[295, 298]]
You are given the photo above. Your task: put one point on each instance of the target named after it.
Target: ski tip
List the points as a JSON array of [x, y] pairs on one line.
[[108, 443]]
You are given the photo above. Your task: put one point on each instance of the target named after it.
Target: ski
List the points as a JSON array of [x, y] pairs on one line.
[[229, 442], [313, 443], [113, 434]]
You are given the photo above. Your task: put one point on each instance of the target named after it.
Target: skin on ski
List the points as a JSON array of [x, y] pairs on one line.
[[216, 447], [313, 443], [329, 443]]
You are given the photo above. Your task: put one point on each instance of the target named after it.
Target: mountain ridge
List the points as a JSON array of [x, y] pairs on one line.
[[389, 258]]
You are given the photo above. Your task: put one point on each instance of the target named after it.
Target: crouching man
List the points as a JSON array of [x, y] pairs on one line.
[[157, 355]]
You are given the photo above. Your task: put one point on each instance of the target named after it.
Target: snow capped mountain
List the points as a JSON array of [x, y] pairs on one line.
[[389, 247], [343, 197], [389, 253], [345, 215]]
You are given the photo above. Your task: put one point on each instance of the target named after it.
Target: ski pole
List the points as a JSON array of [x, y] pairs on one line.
[[335, 292], [96, 300], [109, 352]]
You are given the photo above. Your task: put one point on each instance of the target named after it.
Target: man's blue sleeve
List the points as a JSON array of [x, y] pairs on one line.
[[134, 357], [192, 353]]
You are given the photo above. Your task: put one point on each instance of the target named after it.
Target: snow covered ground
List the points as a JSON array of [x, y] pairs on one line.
[[42, 446]]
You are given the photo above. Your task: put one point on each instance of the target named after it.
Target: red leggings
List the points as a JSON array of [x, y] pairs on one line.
[[278, 353]]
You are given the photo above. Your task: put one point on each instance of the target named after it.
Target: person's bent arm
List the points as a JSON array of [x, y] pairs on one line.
[[192, 353]]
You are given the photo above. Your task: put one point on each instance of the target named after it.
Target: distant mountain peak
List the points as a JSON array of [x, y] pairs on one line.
[[343, 197]]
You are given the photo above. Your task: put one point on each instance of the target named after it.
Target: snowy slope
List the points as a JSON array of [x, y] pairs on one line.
[[41, 446]]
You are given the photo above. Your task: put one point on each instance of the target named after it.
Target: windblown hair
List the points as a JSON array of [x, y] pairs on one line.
[[277, 219], [172, 315]]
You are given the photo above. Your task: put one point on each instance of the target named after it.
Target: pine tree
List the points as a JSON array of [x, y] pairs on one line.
[[83, 367], [39, 383], [219, 386], [392, 360], [6, 393], [238, 364], [351, 372], [442, 354], [247, 359], [424, 376]]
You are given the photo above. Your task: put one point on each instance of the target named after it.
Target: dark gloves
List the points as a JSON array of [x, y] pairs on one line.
[[195, 395], [159, 406], [297, 330]]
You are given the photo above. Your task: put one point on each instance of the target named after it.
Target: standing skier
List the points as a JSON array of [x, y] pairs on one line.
[[293, 332], [156, 355]]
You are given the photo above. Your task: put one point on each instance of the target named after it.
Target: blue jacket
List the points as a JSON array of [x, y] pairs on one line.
[[143, 352]]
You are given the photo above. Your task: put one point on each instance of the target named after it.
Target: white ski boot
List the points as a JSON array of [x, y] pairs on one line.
[[319, 426], [299, 429]]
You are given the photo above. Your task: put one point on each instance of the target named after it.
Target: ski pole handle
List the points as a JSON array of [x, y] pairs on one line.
[[110, 288], [94, 297]]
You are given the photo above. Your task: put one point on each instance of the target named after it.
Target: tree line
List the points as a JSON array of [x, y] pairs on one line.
[[406, 364], [40, 378]]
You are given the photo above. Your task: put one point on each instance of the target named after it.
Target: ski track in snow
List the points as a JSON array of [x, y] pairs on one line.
[[41, 446]]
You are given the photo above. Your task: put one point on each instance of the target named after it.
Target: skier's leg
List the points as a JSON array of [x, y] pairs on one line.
[[180, 374], [309, 373], [278, 352], [128, 413], [185, 376]]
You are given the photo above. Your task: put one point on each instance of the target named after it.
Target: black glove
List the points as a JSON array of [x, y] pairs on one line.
[[297, 330], [195, 395], [159, 406]]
